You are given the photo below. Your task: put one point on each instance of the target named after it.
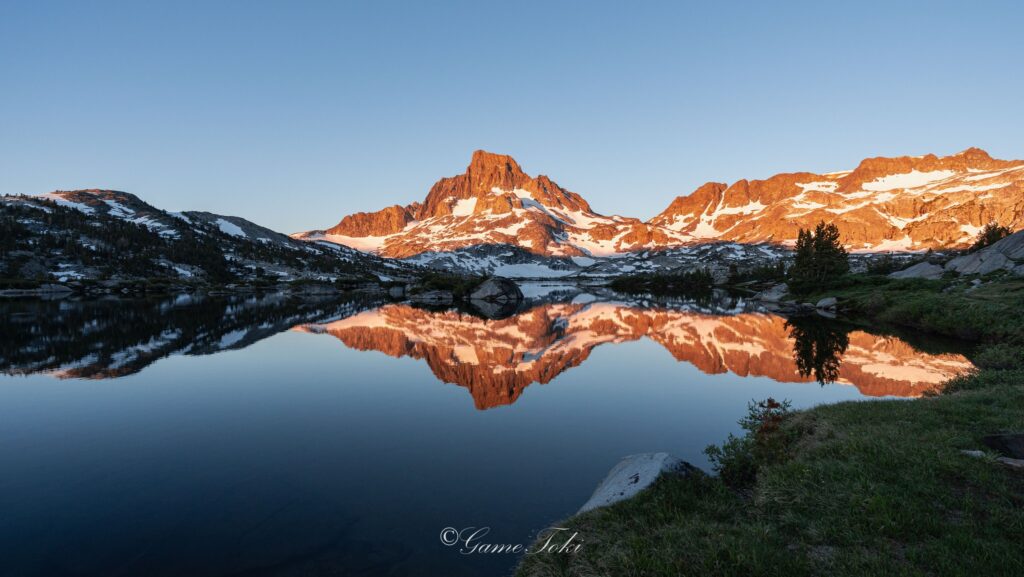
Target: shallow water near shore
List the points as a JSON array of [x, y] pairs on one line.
[[264, 435]]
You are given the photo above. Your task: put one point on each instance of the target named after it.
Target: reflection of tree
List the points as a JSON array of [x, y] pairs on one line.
[[818, 347]]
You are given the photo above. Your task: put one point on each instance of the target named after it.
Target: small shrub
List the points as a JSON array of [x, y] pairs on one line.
[[990, 234], [976, 380], [739, 458], [1000, 356]]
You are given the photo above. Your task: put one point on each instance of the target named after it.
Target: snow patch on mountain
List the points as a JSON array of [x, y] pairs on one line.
[[912, 179], [231, 228]]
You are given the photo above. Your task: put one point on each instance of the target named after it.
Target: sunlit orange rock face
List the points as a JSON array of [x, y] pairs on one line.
[[908, 202], [494, 202], [497, 359], [901, 203]]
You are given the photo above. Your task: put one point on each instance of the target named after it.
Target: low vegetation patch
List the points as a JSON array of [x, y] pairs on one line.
[[459, 285], [690, 282], [990, 313]]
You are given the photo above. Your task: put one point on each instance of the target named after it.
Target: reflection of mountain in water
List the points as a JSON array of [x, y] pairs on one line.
[[102, 339], [497, 359]]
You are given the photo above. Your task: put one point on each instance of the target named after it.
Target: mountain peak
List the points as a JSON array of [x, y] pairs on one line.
[[974, 153], [484, 162]]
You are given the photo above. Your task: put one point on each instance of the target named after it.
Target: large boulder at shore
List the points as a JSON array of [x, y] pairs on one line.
[[497, 289], [634, 474], [919, 270]]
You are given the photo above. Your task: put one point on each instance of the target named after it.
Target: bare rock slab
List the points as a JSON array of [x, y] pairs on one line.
[[632, 475], [919, 270]]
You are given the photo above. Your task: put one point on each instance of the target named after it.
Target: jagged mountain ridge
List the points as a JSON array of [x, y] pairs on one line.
[[495, 202], [885, 204], [904, 203]]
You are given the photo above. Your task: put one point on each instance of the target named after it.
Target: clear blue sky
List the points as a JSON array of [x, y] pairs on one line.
[[294, 114]]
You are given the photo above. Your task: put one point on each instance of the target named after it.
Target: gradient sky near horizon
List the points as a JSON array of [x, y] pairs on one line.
[[293, 114]]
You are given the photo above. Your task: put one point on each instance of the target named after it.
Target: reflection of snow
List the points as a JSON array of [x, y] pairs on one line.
[[231, 338]]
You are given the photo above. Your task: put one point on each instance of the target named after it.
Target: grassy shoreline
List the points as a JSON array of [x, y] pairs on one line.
[[856, 488]]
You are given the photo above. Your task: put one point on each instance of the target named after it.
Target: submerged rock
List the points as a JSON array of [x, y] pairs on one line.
[[632, 475]]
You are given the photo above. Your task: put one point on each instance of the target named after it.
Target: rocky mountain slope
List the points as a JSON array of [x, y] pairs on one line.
[[495, 202], [884, 204], [107, 234]]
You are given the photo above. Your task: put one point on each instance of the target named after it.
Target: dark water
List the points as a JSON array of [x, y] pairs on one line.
[[273, 436]]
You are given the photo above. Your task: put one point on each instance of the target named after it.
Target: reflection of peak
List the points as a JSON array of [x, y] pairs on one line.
[[497, 359]]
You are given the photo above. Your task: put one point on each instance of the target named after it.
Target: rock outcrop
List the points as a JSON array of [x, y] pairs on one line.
[[920, 270], [632, 475], [1006, 254]]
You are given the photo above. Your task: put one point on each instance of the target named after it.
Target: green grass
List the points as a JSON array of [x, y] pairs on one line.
[[851, 489], [867, 488], [460, 286], [990, 313]]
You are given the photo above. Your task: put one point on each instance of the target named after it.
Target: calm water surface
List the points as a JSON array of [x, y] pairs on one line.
[[270, 436]]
